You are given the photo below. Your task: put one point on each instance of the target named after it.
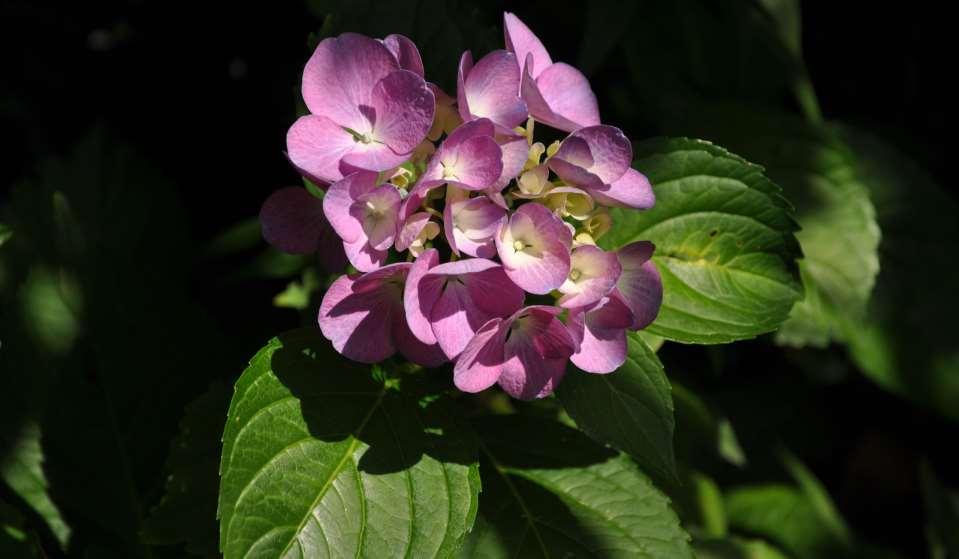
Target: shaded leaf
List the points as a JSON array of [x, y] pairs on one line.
[[322, 460]]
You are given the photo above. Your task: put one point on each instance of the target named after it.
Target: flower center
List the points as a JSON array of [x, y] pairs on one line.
[[518, 245], [575, 274]]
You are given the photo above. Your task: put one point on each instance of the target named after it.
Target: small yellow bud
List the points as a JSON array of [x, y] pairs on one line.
[[552, 149]]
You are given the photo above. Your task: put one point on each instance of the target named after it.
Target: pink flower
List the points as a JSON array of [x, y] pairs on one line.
[[471, 225], [534, 248], [292, 220], [447, 303], [365, 216], [600, 334], [469, 158], [597, 159], [363, 316], [525, 353], [639, 286], [367, 112], [556, 93], [490, 89], [592, 276]]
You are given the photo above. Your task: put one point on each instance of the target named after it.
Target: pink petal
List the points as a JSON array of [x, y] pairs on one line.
[[382, 230], [560, 98], [481, 362], [597, 273], [315, 146], [515, 150], [403, 107], [340, 198], [405, 52], [363, 257], [339, 78], [455, 318], [412, 348], [601, 336], [543, 262], [492, 291], [358, 324], [471, 152], [593, 157], [490, 91], [535, 355], [463, 70], [632, 190], [411, 229], [521, 41], [374, 156], [292, 220], [640, 285], [419, 298], [471, 226]]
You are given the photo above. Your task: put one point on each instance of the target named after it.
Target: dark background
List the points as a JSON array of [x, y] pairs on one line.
[[205, 93]]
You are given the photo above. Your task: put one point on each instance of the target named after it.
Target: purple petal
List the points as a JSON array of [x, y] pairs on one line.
[[490, 91], [463, 70], [405, 52], [455, 318], [535, 355], [339, 78], [341, 197], [481, 362], [292, 220], [640, 285], [315, 146], [380, 227], [411, 347], [469, 158], [363, 257], [592, 276], [521, 41], [411, 229], [492, 291], [534, 249], [471, 226], [418, 300], [403, 107], [358, 324], [601, 333], [515, 150], [632, 190], [593, 157]]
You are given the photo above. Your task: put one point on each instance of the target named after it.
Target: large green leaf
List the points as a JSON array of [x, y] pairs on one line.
[[322, 460], [549, 491], [631, 408], [187, 511], [725, 243], [22, 470]]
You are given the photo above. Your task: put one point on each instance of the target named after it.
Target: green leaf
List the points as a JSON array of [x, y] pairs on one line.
[[549, 491], [320, 460], [703, 432], [22, 470], [736, 548], [187, 511], [725, 243], [631, 408], [15, 542], [942, 514]]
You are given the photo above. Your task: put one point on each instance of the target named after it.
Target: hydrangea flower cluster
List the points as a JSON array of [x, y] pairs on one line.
[[473, 243]]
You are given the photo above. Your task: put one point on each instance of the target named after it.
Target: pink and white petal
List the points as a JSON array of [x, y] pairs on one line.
[[292, 220], [339, 77], [411, 229], [455, 319], [374, 156], [463, 70], [522, 42], [515, 150], [481, 362], [640, 285], [609, 151], [491, 88], [315, 145], [567, 93], [363, 257], [382, 230], [477, 163], [339, 201], [497, 198], [358, 324], [601, 350], [597, 272], [492, 291], [632, 190], [419, 297], [473, 223], [538, 106], [403, 108], [544, 262], [405, 52]]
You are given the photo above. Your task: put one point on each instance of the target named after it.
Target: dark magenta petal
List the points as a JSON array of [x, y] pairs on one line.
[[292, 220], [403, 107], [640, 285]]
